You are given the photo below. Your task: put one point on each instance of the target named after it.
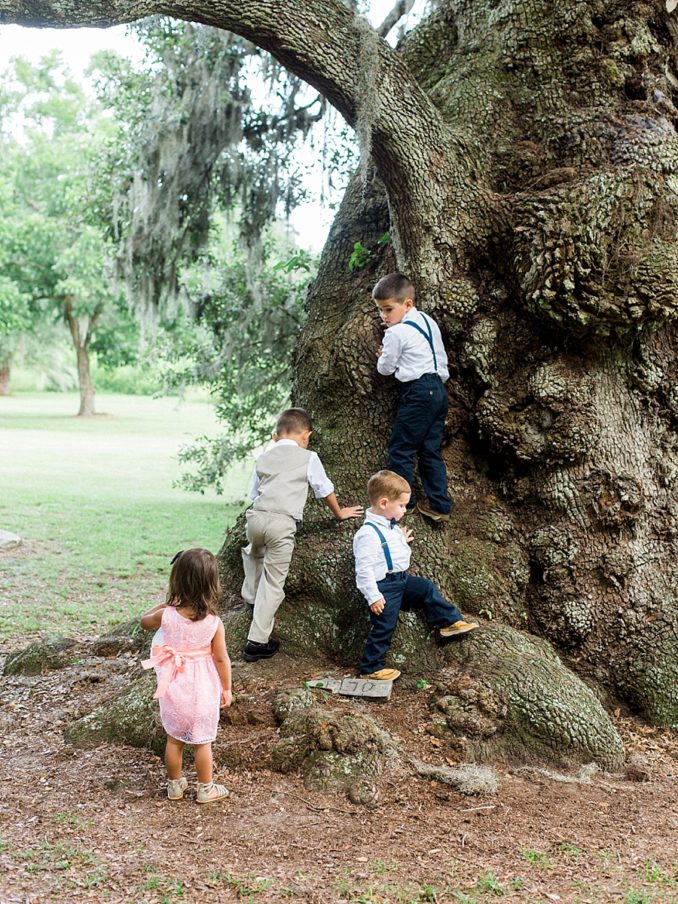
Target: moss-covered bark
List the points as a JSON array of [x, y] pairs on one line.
[[42, 656], [509, 696], [558, 307], [329, 749], [131, 718], [526, 165]]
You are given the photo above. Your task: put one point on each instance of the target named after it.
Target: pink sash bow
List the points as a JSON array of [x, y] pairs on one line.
[[164, 653]]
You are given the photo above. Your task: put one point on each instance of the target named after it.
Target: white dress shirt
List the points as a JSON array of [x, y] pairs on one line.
[[370, 561], [407, 354], [318, 480]]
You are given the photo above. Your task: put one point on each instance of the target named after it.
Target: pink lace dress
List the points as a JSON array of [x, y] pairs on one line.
[[189, 687]]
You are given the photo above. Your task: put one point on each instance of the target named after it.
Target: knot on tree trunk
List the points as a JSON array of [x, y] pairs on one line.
[[598, 256], [330, 749]]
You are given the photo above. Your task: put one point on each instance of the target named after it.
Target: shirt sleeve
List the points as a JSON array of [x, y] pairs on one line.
[[254, 490], [368, 557], [318, 480], [391, 351]]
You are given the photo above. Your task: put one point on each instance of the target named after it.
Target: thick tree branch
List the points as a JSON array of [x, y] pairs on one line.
[[318, 40], [326, 45]]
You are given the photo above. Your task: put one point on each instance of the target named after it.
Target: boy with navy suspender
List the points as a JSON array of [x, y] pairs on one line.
[[382, 557], [414, 353]]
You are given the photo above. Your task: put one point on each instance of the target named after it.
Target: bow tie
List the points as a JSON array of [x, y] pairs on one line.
[[393, 522]]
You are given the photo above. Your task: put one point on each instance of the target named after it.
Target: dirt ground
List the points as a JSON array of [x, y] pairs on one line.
[[83, 825]]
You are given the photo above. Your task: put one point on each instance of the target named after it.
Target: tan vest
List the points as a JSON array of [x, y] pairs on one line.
[[283, 472]]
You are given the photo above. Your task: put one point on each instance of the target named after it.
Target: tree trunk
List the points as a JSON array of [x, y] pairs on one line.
[[85, 384], [559, 309], [81, 332], [5, 370], [561, 446], [526, 158]]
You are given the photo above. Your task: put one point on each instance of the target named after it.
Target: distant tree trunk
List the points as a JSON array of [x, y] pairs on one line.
[[85, 383], [81, 332], [5, 370], [526, 157]]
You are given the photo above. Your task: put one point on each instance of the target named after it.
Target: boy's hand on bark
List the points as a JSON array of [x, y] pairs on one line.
[[408, 534], [350, 511], [379, 351], [226, 698], [378, 606]]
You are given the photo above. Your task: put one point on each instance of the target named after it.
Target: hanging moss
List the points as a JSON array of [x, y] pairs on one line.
[[198, 139]]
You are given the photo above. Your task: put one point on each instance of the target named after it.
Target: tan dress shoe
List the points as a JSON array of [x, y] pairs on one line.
[[383, 675], [459, 627]]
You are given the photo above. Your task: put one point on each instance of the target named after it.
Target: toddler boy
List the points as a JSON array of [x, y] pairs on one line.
[[413, 351], [382, 557], [282, 477]]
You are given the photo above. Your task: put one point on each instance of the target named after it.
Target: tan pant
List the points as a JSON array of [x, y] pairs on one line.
[[266, 560]]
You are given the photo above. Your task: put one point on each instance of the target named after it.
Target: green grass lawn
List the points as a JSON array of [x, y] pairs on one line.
[[93, 500]]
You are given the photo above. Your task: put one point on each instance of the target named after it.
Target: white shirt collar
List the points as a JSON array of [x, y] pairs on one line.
[[287, 442], [410, 314], [378, 519]]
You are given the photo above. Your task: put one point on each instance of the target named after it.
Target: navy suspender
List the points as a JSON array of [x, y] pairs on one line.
[[427, 334], [384, 546]]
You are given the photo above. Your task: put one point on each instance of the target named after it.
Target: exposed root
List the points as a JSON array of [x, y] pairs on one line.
[[466, 778]]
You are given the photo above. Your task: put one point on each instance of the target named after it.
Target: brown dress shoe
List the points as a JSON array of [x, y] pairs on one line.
[[430, 514]]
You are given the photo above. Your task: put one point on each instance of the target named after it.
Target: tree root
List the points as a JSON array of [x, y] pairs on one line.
[[466, 778]]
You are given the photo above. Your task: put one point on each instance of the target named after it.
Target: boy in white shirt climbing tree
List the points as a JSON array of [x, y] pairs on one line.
[[414, 353], [382, 557]]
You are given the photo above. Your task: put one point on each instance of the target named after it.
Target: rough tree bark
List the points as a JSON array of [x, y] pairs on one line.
[[526, 161]]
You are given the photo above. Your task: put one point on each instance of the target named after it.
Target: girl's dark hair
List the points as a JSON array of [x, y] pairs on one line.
[[194, 582]]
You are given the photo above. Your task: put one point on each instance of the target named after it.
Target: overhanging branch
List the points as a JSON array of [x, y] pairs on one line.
[[321, 41]]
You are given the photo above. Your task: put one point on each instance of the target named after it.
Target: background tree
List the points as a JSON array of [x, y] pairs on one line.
[[237, 340], [56, 254], [202, 168], [15, 313], [525, 155]]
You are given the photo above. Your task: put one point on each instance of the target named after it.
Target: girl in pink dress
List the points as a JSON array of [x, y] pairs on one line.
[[194, 672]]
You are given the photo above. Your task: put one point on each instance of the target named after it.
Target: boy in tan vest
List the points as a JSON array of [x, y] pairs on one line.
[[282, 477]]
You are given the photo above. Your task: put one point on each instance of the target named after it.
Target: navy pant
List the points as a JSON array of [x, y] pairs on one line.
[[418, 430], [410, 592]]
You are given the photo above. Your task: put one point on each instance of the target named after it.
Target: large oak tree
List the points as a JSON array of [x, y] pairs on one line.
[[526, 165]]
